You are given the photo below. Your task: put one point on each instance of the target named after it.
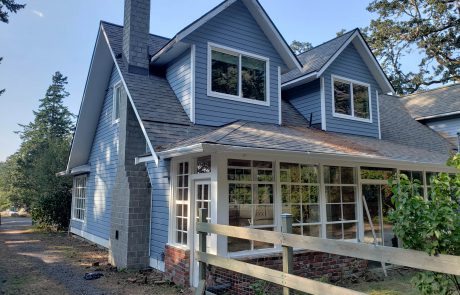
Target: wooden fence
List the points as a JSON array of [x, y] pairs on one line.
[[416, 259]]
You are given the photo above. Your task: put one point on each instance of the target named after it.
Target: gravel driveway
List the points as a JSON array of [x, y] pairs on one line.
[[41, 263]]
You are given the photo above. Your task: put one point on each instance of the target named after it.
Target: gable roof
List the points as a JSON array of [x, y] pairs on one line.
[[439, 102], [259, 14], [316, 60]]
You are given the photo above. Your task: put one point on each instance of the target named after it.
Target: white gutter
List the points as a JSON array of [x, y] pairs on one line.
[[196, 148], [144, 159], [299, 80], [438, 116]]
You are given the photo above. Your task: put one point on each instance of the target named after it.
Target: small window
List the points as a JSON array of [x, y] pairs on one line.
[[118, 92], [351, 99], [238, 76], [79, 198], [182, 204], [203, 165]]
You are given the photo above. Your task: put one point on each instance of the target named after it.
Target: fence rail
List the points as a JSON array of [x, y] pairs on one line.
[[416, 259]]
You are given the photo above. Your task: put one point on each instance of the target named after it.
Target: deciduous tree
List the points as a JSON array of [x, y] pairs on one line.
[[426, 28]]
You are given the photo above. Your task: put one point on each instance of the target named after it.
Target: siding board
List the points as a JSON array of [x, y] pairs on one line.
[[179, 76], [350, 65], [103, 160], [307, 100], [235, 28], [160, 208]]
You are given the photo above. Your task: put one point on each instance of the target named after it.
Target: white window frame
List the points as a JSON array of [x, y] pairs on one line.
[[115, 103], [174, 202], [239, 53], [77, 190], [351, 82]]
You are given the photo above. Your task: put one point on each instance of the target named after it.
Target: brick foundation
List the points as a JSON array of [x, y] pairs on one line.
[[177, 265], [307, 264]]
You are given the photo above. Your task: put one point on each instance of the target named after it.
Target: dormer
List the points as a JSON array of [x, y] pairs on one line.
[[227, 65], [338, 87]]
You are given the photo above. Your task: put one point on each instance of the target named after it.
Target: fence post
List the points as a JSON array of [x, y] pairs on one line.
[[203, 214], [286, 227]]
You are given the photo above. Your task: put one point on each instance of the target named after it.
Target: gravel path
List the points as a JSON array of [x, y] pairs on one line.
[[37, 263]]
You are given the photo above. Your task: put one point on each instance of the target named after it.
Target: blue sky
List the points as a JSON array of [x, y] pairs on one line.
[[53, 35]]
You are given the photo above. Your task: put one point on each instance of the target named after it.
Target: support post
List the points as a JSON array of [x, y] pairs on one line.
[[203, 214], [286, 227]]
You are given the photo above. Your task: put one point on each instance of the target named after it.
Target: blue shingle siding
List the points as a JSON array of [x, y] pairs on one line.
[[235, 28], [103, 160], [307, 100], [179, 76], [159, 178], [349, 64], [76, 224]]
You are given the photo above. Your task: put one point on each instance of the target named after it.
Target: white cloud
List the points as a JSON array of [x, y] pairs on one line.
[[38, 13]]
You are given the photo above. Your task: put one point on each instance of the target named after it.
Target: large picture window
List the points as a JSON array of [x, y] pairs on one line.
[[300, 197], [79, 198], [351, 99], [182, 203], [341, 196], [251, 202], [238, 76]]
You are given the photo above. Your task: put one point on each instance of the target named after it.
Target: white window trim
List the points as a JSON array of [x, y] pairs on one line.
[[117, 86], [352, 116], [239, 97], [73, 198]]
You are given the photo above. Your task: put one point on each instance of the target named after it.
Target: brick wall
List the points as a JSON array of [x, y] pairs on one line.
[[307, 264], [177, 265]]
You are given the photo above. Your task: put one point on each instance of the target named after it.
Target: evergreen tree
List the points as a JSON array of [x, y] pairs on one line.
[[31, 177]]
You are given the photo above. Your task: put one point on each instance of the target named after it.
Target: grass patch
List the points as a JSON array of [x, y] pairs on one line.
[[395, 285]]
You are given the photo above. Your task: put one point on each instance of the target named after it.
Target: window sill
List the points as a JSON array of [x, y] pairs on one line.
[[77, 220], [348, 117], [178, 246], [238, 99]]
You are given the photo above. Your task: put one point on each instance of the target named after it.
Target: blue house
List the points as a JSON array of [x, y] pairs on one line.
[[225, 116]]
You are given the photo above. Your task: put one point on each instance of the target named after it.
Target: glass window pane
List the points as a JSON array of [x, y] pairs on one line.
[[312, 230], [361, 101], [263, 215], [314, 194], [203, 165], [348, 175], [349, 231], [332, 194], [309, 174], [331, 175], [240, 194], [295, 194], [334, 212], [297, 230], [310, 213], [240, 215], [264, 194], [253, 78], [239, 163], [236, 245], [296, 214], [285, 193], [342, 97], [348, 194], [334, 231], [224, 73], [349, 212]]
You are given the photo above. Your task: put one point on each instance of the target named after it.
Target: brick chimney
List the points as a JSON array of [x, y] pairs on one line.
[[136, 34]]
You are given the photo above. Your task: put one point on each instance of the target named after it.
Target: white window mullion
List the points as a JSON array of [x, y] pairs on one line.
[[240, 76]]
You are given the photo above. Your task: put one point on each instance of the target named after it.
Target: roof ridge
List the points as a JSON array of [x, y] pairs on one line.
[[335, 38], [430, 90], [120, 26]]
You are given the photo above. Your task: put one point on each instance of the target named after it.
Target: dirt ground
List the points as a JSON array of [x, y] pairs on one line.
[[32, 262]]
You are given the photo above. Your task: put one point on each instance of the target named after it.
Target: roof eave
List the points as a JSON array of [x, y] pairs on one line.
[[384, 162]]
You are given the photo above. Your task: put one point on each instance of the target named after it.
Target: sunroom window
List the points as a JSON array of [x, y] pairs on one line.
[[351, 99], [251, 204], [238, 76], [300, 197], [341, 190]]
